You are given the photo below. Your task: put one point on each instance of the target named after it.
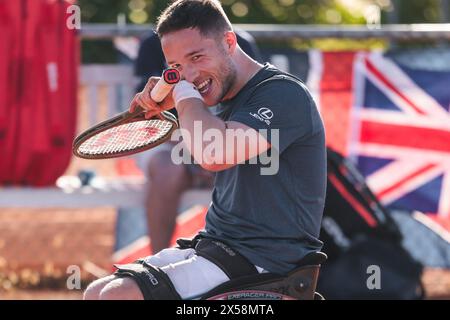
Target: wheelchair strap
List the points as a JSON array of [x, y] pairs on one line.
[[231, 262]]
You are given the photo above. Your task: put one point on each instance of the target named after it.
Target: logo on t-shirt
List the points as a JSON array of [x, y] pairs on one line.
[[264, 114]]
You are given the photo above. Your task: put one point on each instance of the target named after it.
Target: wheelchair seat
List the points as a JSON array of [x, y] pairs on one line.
[[313, 258], [300, 283]]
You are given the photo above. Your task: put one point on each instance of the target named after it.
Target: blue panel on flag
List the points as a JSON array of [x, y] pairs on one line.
[[424, 199], [427, 81], [368, 165], [374, 98]]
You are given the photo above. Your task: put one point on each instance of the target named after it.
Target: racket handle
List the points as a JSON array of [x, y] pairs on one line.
[[169, 78]]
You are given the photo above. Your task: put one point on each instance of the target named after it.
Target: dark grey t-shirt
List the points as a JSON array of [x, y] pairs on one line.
[[273, 220]]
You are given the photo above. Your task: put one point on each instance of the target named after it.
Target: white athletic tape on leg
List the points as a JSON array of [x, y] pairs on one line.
[[185, 90]]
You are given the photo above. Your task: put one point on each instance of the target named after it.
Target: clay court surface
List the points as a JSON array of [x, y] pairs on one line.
[[37, 246]]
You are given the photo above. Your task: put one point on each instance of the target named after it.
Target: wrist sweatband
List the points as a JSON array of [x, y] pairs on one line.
[[185, 90]]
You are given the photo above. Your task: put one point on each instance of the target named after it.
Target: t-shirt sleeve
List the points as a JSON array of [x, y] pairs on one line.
[[280, 110]]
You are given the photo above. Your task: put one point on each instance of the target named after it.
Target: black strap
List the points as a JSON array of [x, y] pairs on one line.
[[153, 282], [232, 263], [184, 243]]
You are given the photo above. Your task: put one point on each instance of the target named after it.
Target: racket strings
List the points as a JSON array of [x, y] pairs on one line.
[[126, 137]]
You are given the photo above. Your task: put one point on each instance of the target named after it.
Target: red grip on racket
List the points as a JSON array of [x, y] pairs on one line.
[[169, 78]]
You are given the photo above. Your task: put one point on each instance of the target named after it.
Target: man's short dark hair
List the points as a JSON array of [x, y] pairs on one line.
[[205, 15]]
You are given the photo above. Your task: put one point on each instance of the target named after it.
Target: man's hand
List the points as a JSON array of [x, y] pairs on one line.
[[144, 100]]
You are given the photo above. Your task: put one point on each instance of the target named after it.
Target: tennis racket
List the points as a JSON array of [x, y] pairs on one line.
[[129, 132]]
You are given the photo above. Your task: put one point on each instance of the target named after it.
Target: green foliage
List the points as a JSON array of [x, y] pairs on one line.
[[98, 51], [102, 11], [419, 11], [268, 11]]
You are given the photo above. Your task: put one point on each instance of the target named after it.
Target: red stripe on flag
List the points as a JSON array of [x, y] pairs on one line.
[[383, 193], [353, 202], [389, 84], [405, 136], [336, 97]]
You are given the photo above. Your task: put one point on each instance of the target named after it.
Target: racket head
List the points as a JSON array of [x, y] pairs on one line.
[[125, 134]]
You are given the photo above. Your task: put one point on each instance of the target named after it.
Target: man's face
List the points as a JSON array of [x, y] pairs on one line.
[[203, 61]]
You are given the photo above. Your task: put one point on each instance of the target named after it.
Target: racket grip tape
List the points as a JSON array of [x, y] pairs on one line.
[[169, 78]]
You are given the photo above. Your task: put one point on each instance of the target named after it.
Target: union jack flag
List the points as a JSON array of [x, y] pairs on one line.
[[400, 133]]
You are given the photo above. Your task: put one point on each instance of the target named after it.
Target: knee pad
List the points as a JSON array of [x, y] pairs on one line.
[[153, 282]]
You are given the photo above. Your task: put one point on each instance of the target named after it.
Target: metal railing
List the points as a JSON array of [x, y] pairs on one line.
[[438, 31]]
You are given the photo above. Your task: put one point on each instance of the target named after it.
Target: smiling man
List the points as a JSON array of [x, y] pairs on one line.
[[256, 222]]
